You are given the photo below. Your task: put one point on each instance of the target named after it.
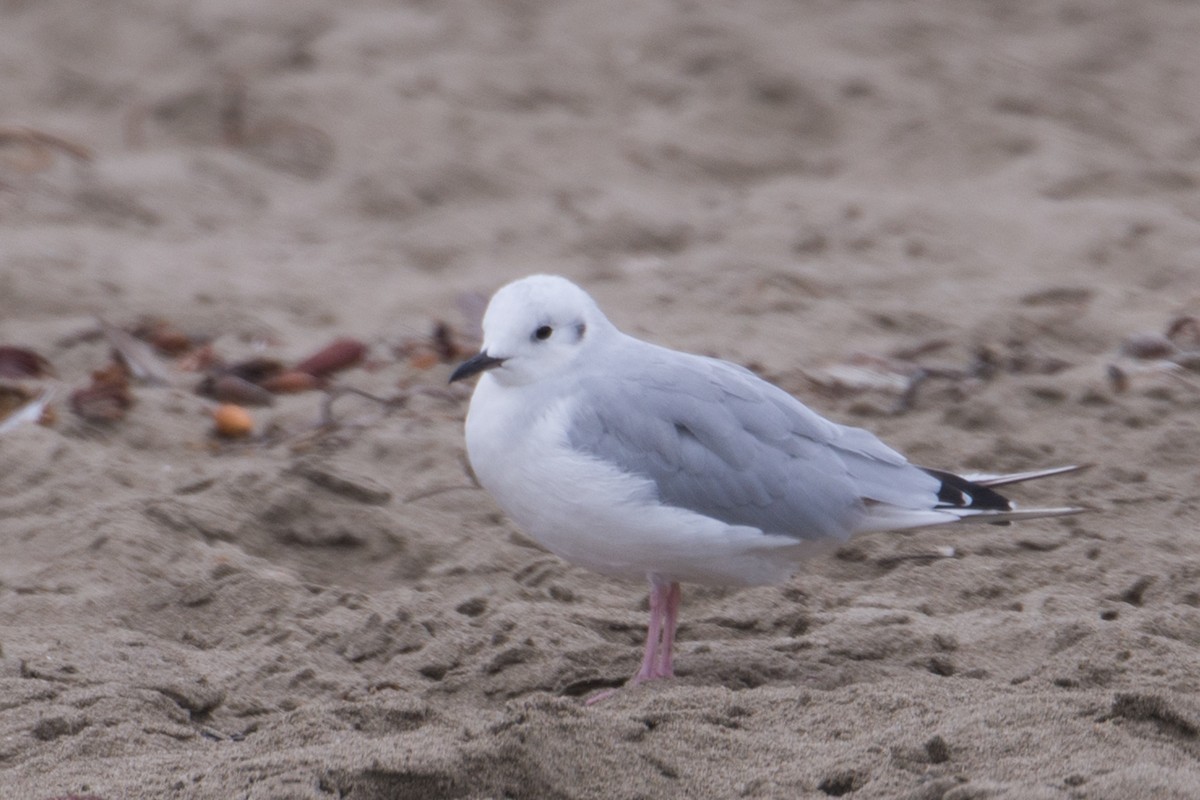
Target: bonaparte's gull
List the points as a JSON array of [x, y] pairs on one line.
[[634, 460]]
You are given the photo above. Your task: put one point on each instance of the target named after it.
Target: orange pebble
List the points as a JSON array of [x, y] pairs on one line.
[[424, 359], [232, 421]]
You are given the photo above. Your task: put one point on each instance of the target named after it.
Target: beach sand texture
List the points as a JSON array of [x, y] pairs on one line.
[[843, 196]]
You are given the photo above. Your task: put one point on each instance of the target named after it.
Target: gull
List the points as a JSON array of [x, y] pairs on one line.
[[637, 461]]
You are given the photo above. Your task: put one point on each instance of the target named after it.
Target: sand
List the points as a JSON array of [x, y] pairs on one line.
[[999, 194]]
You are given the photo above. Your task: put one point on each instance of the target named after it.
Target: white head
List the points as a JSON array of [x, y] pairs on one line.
[[534, 328]]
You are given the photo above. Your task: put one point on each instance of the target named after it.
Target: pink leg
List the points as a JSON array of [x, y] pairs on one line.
[[665, 668], [660, 635]]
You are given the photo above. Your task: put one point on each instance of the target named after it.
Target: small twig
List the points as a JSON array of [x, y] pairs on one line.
[[335, 392]]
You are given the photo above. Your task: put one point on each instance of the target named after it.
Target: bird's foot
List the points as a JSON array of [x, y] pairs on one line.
[[599, 696], [634, 681]]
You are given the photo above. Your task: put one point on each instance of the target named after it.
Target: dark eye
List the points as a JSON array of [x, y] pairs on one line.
[[543, 332]]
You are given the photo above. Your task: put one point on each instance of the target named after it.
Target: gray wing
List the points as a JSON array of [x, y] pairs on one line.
[[716, 439]]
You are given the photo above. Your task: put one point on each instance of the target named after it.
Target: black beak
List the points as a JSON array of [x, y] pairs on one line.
[[480, 362]]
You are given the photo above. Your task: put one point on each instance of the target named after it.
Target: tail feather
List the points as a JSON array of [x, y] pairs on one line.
[[968, 498], [1014, 515], [881, 517], [1000, 479], [959, 492]]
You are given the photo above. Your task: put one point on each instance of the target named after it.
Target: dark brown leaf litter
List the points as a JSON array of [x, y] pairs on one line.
[[443, 345], [21, 362], [334, 357], [292, 381], [231, 388], [255, 380], [167, 338], [107, 398], [245, 382], [254, 370]]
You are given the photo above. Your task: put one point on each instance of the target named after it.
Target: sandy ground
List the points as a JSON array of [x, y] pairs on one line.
[[997, 193]]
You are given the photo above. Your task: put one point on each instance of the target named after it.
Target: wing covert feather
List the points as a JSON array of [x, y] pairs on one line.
[[716, 439]]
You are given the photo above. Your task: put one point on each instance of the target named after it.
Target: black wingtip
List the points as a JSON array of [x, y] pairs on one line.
[[958, 492]]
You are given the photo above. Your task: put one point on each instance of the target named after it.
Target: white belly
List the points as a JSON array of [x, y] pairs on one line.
[[590, 513]]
